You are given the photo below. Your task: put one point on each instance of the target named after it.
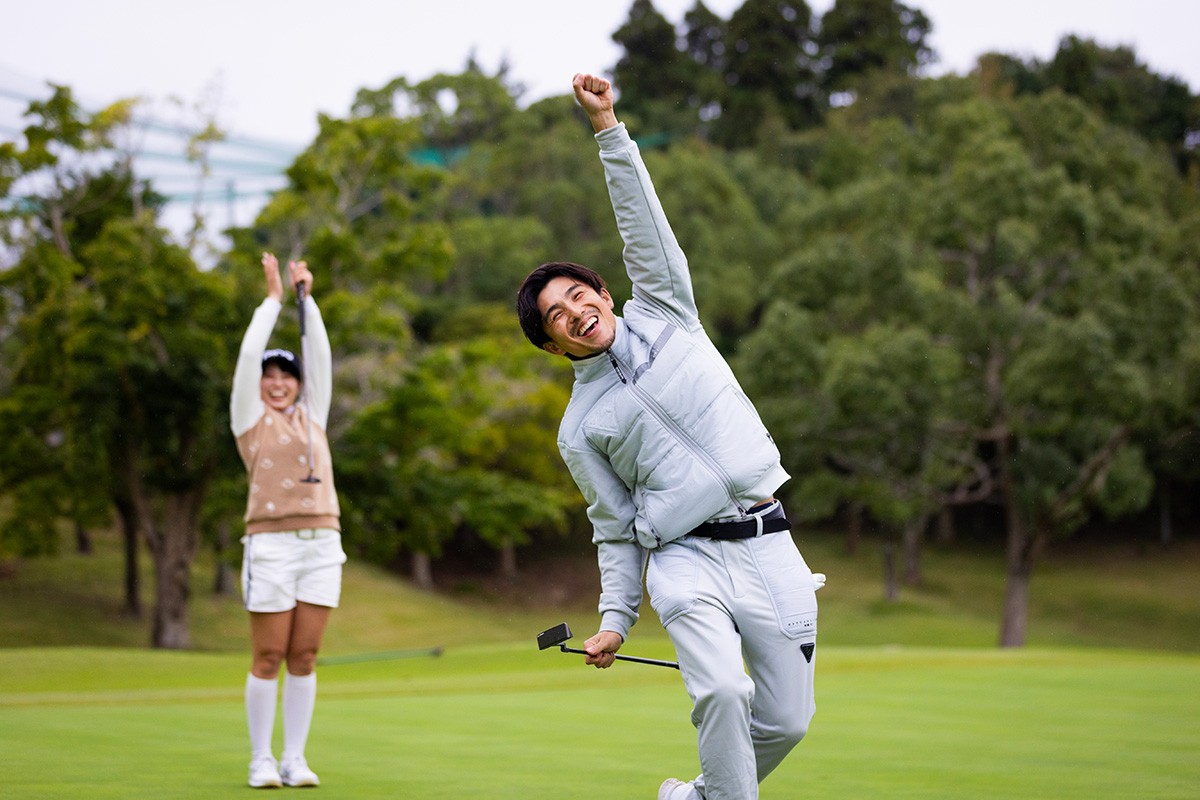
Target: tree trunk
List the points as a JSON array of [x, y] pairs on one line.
[[176, 548], [1019, 571], [129, 537], [945, 526], [914, 534], [508, 561], [223, 579], [83, 539], [1164, 514], [422, 571], [891, 587], [854, 527], [172, 542]]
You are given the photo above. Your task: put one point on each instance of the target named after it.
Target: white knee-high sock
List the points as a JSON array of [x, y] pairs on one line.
[[299, 698], [260, 713]]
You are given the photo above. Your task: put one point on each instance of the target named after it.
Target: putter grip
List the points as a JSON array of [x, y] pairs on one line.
[[300, 304], [619, 657]]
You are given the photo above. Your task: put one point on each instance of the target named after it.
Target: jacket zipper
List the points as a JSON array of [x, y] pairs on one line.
[[701, 455]]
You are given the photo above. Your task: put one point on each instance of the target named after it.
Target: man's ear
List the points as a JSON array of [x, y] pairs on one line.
[[553, 349], [606, 297]]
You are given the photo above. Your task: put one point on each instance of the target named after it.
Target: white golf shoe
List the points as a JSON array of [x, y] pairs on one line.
[[295, 772], [675, 789], [264, 773]]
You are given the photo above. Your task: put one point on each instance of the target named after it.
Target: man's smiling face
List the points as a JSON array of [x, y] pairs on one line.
[[578, 319]]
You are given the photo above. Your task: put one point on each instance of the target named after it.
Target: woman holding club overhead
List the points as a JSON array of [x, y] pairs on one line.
[[292, 558]]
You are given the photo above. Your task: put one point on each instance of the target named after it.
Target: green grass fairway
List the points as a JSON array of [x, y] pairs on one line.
[[507, 721]]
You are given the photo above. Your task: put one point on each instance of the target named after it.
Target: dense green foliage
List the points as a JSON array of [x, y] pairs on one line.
[[112, 392], [944, 295]]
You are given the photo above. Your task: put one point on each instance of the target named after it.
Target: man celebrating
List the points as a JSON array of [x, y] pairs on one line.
[[679, 474]]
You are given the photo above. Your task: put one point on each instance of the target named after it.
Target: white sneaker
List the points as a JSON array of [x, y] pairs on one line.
[[675, 789], [295, 772], [264, 773]]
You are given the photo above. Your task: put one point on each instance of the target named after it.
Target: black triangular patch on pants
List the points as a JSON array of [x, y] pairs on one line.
[[808, 649]]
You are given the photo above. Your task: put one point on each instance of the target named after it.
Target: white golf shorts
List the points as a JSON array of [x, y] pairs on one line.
[[281, 569]]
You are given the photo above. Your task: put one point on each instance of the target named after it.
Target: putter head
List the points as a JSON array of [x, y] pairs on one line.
[[553, 636]]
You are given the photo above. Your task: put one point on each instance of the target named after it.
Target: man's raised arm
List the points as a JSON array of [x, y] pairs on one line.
[[653, 258]]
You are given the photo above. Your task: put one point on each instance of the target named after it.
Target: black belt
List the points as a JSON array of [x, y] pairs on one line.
[[749, 528]]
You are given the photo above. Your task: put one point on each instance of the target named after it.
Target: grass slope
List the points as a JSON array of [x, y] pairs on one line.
[[1117, 595]]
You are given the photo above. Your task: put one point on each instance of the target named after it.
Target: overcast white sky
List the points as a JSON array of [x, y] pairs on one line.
[[275, 63], [267, 67]]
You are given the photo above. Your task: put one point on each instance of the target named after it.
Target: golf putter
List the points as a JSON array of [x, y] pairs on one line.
[[561, 632], [300, 305]]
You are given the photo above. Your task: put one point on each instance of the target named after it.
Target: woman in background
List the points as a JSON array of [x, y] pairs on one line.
[[292, 558]]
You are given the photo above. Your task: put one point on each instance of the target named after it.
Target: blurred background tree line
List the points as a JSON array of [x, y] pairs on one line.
[[961, 304]]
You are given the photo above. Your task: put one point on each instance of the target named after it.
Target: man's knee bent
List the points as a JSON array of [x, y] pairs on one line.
[[729, 693], [795, 730]]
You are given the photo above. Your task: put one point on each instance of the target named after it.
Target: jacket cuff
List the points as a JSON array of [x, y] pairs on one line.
[[616, 622], [614, 139]]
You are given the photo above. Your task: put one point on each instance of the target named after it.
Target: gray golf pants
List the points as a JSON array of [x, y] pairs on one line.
[[742, 616]]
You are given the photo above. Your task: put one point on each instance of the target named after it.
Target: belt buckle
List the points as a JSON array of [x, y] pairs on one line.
[[307, 533]]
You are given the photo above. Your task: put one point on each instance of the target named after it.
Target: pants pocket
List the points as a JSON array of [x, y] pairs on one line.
[[790, 584], [671, 580]]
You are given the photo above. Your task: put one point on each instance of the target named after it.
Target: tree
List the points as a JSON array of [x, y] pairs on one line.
[[1127, 93], [53, 201], [1034, 226], [1020, 245], [459, 441], [770, 70], [729, 246], [137, 335], [425, 402], [859, 37], [357, 208], [865, 405], [704, 42], [1112, 82], [655, 79], [156, 334]]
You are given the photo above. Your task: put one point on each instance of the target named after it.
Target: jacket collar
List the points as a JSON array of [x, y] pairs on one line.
[[597, 366]]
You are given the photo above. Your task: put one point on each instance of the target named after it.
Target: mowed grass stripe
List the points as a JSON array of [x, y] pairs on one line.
[[501, 721]]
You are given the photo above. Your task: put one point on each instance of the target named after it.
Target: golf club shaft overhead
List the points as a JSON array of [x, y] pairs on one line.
[[304, 386], [636, 659]]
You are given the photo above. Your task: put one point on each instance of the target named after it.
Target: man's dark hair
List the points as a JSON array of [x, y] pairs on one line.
[[531, 287]]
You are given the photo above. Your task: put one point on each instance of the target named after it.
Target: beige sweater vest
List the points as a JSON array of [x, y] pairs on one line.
[[275, 451]]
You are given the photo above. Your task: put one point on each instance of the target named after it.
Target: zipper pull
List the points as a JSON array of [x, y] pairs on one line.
[[617, 367]]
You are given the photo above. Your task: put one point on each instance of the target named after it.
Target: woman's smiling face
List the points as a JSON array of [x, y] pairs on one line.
[[279, 389]]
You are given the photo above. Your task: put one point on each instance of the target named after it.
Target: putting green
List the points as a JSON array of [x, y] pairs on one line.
[[509, 721]]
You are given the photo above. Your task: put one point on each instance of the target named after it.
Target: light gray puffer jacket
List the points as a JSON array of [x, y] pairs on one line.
[[658, 434]]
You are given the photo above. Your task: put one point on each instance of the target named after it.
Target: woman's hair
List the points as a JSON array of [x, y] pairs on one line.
[[284, 359], [527, 296]]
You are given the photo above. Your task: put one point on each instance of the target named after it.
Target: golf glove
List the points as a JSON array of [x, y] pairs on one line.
[[818, 580]]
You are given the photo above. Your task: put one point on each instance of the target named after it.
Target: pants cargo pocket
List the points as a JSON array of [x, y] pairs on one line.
[[790, 583]]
